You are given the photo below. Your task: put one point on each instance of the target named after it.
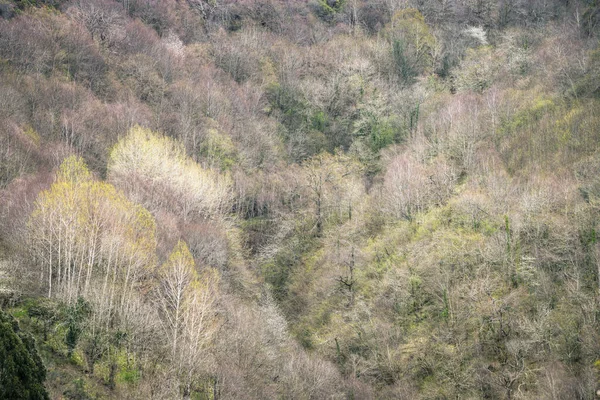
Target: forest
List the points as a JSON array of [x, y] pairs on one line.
[[308, 199]]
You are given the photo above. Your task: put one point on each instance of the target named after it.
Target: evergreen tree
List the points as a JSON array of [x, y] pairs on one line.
[[22, 373]]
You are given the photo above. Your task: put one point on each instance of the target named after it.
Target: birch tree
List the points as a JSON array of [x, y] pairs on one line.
[[176, 277], [90, 240], [156, 172]]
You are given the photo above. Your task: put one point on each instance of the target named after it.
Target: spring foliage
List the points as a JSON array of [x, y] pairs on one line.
[[90, 240], [319, 199], [156, 172]]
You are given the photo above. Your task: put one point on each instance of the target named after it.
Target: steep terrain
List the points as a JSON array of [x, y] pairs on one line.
[[325, 199]]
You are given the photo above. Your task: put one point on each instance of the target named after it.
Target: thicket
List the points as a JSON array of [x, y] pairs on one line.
[[220, 199]]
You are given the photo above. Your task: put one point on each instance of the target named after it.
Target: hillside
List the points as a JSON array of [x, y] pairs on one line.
[[315, 199]]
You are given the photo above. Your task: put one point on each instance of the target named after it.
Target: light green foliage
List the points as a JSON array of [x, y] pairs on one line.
[[180, 257], [73, 171], [186, 300], [303, 199], [83, 231], [567, 130], [156, 172], [412, 44], [588, 174], [376, 129], [326, 9], [477, 71], [218, 149]]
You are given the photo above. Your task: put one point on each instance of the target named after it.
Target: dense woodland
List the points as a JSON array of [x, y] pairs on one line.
[[311, 199]]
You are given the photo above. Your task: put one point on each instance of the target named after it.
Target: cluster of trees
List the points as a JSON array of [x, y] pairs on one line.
[[308, 199], [79, 224], [91, 243], [156, 172]]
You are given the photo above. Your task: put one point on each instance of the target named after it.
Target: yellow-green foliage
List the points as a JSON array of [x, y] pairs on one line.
[[33, 135], [409, 25], [550, 133], [81, 228], [422, 200], [181, 258], [155, 171], [268, 71], [129, 372], [73, 170], [412, 43], [186, 300], [334, 186], [218, 149], [477, 71], [409, 22], [77, 358], [412, 268]]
